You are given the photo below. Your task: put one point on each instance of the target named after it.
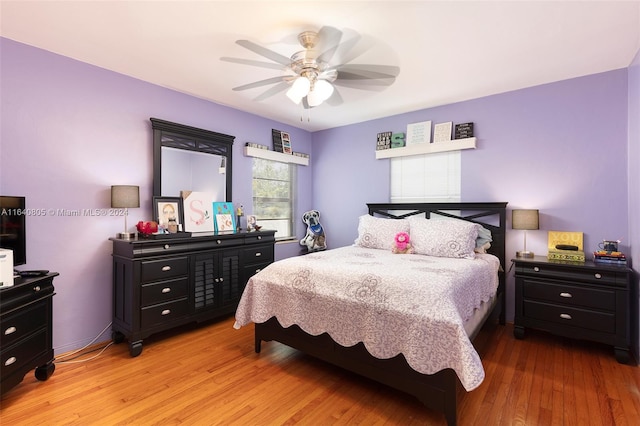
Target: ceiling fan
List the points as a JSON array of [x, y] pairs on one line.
[[310, 75]]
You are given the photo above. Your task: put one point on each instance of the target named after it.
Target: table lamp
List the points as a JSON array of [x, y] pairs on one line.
[[525, 219], [125, 196]]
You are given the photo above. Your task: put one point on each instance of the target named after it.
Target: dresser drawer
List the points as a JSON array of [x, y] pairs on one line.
[[13, 358], [587, 275], [164, 312], [253, 238], [251, 270], [153, 270], [163, 291], [258, 254], [601, 299], [22, 323], [575, 317]]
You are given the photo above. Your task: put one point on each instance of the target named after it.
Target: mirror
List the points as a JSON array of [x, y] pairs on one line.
[[188, 158]]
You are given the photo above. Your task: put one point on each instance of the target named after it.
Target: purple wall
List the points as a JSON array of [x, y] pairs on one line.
[[634, 174], [70, 131], [560, 148]]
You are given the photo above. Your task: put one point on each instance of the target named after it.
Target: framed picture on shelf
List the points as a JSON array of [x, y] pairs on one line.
[[166, 209]]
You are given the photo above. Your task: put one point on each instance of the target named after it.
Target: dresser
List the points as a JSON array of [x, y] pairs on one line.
[[587, 301], [26, 341], [159, 284]]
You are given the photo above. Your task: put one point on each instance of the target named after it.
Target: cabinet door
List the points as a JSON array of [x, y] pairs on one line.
[[216, 279]]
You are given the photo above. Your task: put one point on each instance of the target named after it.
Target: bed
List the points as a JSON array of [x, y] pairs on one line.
[[408, 324]]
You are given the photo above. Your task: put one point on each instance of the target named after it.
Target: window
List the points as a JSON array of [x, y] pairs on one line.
[[426, 178], [274, 188]]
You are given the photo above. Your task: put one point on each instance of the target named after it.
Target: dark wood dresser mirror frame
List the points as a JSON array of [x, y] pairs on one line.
[[173, 136]]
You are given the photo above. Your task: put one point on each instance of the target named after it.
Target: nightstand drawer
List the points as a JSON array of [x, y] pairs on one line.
[[575, 317], [164, 291], [19, 325], [601, 299], [591, 275], [14, 357], [153, 270], [164, 312]]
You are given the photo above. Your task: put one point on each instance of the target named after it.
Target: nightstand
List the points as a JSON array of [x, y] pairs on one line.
[[581, 300]]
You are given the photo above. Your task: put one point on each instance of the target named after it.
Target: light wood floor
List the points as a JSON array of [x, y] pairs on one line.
[[210, 375]]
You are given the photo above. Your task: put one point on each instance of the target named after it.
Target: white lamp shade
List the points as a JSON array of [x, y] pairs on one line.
[[299, 89], [324, 89]]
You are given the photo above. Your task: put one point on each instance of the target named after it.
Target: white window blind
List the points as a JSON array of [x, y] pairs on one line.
[[426, 178]]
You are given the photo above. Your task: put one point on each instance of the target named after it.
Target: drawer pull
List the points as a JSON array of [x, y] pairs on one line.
[[166, 268], [568, 295], [598, 276], [258, 254], [10, 330], [565, 316], [36, 288], [221, 279], [166, 290], [166, 312], [10, 361], [166, 246], [536, 269], [218, 242], [258, 270], [259, 237]]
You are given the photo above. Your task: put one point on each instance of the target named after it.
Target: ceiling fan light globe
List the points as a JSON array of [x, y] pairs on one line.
[[313, 99], [323, 89], [299, 89]]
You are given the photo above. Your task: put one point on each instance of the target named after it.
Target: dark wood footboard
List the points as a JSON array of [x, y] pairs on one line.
[[436, 391]]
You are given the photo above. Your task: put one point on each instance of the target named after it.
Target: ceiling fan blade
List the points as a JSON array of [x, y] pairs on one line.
[[328, 42], [371, 85], [259, 83], [263, 51], [252, 63], [335, 99], [272, 91], [367, 72]]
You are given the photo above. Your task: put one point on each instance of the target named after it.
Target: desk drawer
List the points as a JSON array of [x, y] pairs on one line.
[[164, 312], [13, 358], [164, 291], [153, 270], [575, 317], [562, 294]]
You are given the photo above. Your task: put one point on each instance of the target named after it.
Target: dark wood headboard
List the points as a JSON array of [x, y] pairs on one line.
[[492, 215]]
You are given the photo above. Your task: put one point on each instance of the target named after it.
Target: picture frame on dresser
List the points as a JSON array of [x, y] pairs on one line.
[[166, 208]]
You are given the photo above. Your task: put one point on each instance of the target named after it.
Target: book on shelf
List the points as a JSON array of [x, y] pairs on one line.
[[276, 138]]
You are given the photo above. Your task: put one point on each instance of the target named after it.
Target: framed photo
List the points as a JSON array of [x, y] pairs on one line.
[[251, 222], [167, 208]]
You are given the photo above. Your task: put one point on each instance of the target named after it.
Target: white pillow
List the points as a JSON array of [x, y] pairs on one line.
[[379, 233], [443, 238]]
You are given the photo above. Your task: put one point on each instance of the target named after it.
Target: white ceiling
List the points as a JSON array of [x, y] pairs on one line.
[[447, 51]]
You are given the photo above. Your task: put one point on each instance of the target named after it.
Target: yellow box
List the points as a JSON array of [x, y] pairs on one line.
[[565, 238]]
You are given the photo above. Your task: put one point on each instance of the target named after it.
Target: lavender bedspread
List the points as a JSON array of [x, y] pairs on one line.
[[393, 303]]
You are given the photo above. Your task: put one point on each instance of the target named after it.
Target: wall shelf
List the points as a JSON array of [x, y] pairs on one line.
[[427, 148], [275, 156]]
